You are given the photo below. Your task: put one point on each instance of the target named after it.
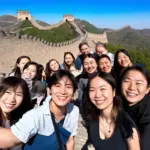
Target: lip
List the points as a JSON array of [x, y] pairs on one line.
[[131, 94], [9, 106]]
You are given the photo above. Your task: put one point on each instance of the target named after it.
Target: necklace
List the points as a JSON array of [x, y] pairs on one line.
[[107, 126]]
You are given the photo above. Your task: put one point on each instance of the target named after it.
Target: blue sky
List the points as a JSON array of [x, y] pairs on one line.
[[102, 13]]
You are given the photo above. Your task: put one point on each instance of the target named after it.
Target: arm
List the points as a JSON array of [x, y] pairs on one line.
[[133, 142], [8, 139], [70, 144]]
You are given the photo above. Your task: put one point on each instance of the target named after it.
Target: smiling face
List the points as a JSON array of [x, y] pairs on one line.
[[105, 65], [85, 49], [68, 59], [22, 63], [101, 93], [62, 92], [134, 87], [54, 66], [90, 65], [124, 60], [30, 72], [11, 100]]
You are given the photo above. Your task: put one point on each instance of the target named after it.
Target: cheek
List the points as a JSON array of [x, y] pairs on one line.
[[91, 95], [19, 101]]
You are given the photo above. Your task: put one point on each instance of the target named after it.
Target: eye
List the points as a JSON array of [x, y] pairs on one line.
[[19, 94], [103, 89], [126, 81], [91, 90], [8, 92], [57, 85], [69, 86], [138, 83]]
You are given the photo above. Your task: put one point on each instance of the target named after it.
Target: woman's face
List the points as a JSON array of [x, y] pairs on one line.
[[124, 60], [62, 92], [105, 65], [54, 66], [22, 63], [11, 100], [134, 86], [90, 65], [30, 72], [101, 93], [68, 59]]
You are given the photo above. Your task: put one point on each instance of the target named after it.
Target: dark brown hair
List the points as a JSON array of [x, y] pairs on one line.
[[16, 69], [90, 111], [66, 66], [81, 44]]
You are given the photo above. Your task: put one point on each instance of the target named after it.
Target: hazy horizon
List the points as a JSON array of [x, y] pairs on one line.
[[113, 14]]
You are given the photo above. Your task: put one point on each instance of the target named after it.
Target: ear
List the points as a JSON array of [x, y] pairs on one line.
[[148, 90], [114, 92]]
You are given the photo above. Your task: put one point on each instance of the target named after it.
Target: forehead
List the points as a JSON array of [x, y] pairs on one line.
[[68, 55], [53, 61], [104, 59], [17, 88], [84, 46], [135, 75], [24, 60], [122, 54], [97, 82], [64, 80], [32, 67], [88, 59]]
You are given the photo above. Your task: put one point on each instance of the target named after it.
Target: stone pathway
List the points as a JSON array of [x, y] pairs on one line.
[[81, 137]]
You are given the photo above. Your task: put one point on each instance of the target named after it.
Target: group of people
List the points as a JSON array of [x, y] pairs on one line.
[[112, 97]]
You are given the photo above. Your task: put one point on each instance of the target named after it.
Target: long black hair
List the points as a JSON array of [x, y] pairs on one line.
[[90, 112], [14, 82], [16, 70]]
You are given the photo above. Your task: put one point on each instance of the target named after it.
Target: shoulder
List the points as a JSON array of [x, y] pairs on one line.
[[126, 124], [11, 74], [62, 66]]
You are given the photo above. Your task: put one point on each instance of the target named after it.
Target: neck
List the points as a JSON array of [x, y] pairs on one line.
[[106, 113], [6, 116], [58, 111]]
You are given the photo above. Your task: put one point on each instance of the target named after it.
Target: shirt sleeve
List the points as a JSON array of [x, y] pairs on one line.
[[26, 127], [75, 130]]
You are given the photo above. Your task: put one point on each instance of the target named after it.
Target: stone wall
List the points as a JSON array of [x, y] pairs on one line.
[[52, 44]]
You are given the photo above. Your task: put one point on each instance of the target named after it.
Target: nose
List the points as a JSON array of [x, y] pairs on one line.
[[63, 90], [12, 97], [98, 93], [132, 86]]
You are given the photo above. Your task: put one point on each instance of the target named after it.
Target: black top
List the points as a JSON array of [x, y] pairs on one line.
[[118, 140], [140, 113]]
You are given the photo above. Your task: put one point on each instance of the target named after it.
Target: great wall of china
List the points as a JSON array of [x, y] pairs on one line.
[[11, 47]]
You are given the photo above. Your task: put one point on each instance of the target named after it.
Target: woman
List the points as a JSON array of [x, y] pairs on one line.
[[122, 60], [108, 126], [90, 69], [32, 75], [50, 126], [20, 63], [135, 85], [104, 64], [69, 64], [14, 102], [51, 67]]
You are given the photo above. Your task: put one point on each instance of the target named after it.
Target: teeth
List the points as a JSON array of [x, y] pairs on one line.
[[131, 94], [9, 105]]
